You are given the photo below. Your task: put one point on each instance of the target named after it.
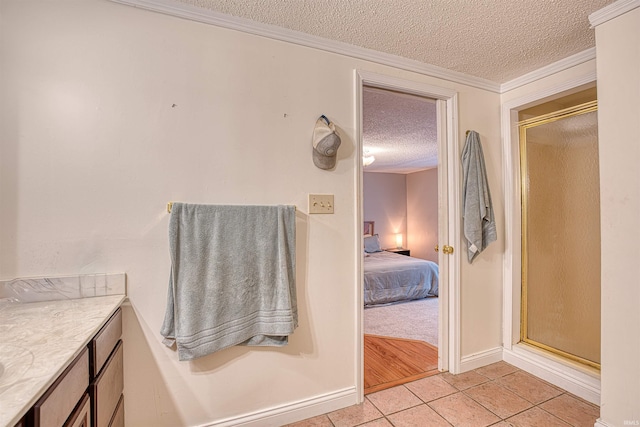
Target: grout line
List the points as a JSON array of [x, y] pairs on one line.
[[464, 393], [553, 415]]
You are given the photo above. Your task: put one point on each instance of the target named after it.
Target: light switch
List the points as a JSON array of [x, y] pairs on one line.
[[320, 203]]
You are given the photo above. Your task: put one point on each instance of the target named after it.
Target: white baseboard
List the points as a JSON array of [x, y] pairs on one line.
[[577, 381], [478, 360], [292, 412], [600, 423]]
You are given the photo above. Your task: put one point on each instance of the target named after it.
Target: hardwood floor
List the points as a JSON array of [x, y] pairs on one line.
[[389, 362]]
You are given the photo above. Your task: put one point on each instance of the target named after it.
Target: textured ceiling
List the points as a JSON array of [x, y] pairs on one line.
[[498, 40], [399, 130]]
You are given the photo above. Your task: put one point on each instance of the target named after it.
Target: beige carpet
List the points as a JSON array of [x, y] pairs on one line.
[[416, 320]]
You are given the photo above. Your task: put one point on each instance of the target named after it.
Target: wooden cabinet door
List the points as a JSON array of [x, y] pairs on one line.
[[82, 415]]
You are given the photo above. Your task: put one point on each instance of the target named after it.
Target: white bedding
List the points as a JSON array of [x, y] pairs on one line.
[[390, 277]]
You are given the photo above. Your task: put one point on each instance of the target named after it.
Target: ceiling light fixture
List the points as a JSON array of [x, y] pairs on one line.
[[367, 158]]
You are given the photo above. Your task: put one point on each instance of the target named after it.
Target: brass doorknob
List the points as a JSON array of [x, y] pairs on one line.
[[447, 249], [437, 248]]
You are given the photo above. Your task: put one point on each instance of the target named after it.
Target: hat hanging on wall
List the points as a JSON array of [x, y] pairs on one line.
[[325, 144]]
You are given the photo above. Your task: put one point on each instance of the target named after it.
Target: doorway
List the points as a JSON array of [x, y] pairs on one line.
[[400, 204], [448, 210]]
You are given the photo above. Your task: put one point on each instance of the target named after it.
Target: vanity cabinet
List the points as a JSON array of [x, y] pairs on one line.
[[81, 417], [104, 342], [59, 401], [89, 392], [106, 390], [107, 380]]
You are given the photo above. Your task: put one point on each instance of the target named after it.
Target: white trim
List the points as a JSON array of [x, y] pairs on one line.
[[511, 173], [194, 13], [478, 360], [612, 11], [600, 423], [548, 70], [453, 207], [292, 412], [359, 296], [443, 218], [450, 325], [553, 370]]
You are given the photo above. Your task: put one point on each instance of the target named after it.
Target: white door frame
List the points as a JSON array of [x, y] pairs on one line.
[[448, 210]]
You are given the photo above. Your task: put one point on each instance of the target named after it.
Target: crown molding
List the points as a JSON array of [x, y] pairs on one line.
[[548, 70], [611, 11], [206, 16]]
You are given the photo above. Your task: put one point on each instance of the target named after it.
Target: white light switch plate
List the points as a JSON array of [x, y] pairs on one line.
[[320, 203]]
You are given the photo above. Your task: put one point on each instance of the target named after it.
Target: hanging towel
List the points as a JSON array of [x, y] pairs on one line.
[[478, 218], [232, 278]]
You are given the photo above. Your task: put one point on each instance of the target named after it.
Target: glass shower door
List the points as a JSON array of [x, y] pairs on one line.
[[561, 233]]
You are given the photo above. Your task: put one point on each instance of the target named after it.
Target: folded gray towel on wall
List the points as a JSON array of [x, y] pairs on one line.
[[232, 278], [478, 218]]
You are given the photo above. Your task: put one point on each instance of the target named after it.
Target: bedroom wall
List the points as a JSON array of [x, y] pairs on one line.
[[422, 214], [385, 202], [618, 66], [108, 112]]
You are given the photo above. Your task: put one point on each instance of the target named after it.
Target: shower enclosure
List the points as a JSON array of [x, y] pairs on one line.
[[561, 233]]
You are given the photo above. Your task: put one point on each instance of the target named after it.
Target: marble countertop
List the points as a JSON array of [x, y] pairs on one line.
[[38, 341]]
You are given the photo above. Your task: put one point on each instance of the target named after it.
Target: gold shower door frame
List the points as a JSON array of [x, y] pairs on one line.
[[523, 127]]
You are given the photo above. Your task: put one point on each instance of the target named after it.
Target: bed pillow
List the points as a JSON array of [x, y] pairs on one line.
[[372, 244]]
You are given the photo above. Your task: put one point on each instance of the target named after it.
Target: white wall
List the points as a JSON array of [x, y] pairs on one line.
[[618, 65], [385, 202], [108, 112], [481, 282], [422, 214]]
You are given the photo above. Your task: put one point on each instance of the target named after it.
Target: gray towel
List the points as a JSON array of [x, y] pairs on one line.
[[232, 278], [477, 209]]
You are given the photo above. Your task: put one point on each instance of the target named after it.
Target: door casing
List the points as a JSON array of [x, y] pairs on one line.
[[448, 211]]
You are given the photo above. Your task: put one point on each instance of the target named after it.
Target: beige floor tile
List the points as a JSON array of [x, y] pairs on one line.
[[380, 422], [535, 417], [465, 380], [418, 416], [510, 395], [431, 388], [462, 411], [393, 399], [498, 399], [319, 421], [572, 410], [354, 415], [496, 370], [529, 387]]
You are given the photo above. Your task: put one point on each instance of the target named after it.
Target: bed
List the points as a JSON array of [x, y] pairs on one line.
[[390, 277]]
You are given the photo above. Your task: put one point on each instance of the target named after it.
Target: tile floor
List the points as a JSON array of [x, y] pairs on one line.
[[498, 395]]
